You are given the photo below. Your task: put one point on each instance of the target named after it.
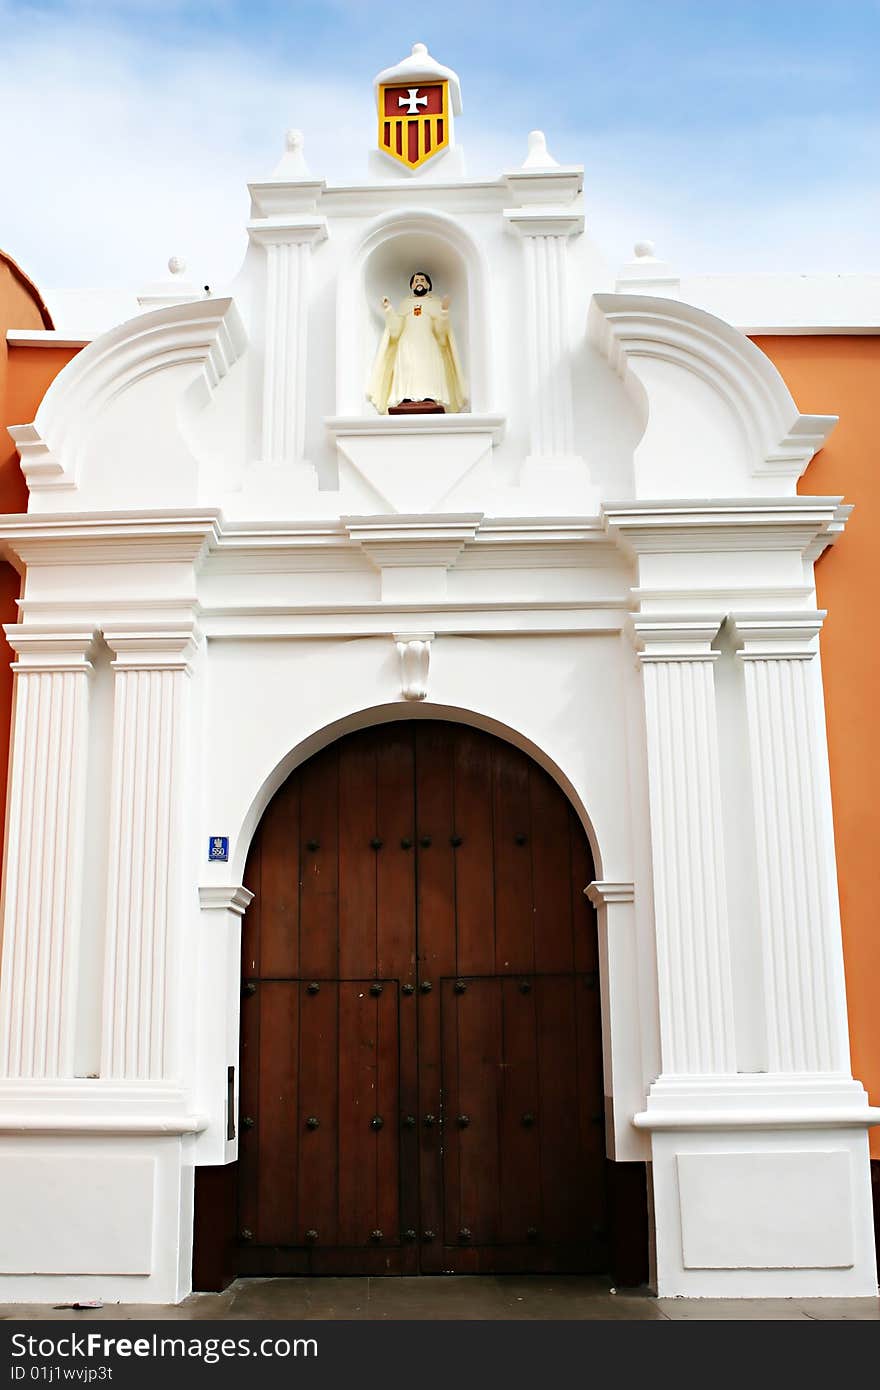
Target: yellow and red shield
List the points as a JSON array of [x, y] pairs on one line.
[[414, 121]]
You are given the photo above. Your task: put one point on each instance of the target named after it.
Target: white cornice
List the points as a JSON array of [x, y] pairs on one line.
[[781, 441], [107, 538], [780, 636], [544, 221], [602, 893], [46, 337], [392, 541], [390, 426], [58, 647], [555, 186], [280, 197], [793, 523], [675, 636], [207, 334], [288, 231], [153, 646], [233, 898]]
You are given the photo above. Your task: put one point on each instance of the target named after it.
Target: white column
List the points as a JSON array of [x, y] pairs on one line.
[[690, 899], [800, 925], [152, 670], [42, 894], [288, 264], [545, 248]]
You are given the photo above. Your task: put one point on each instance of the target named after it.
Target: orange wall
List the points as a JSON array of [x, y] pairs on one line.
[[25, 373], [841, 376]]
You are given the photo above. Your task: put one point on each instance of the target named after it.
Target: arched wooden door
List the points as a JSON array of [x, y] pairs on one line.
[[421, 1075]]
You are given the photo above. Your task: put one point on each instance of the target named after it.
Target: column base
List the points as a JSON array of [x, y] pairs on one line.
[[96, 1191], [104, 1218], [762, 1187]]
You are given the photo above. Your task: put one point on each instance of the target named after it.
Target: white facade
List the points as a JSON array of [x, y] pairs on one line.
[[230, 560]]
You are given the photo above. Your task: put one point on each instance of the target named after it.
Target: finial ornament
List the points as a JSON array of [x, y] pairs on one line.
[[539, 157], [292, 164], [419, 50], [646, 273]]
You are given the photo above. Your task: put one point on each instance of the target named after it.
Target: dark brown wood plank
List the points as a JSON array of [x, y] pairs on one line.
[[358, 1086], [277, 1118], [357, 859], [248, 1108], [396, 936], [480, 1044], [387, 1100], [563, 1179], [551, 874], [395, 864], [279, 884], [514, 934], [590, 1101], [474, 880], [319, 868], [452, 1106], [436, 957], [519, 1142], [318, 1090]]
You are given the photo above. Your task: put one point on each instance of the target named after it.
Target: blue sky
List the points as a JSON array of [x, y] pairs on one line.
[[739, 135]]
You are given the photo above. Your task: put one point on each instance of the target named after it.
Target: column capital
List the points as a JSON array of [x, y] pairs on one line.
[[290, 231], [148, 647], [225, 898], [769, 636], [544, 221], [674, 636], [55, 648], [602, 893]]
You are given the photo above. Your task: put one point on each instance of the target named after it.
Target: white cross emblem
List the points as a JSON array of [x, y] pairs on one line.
[[412, 102]]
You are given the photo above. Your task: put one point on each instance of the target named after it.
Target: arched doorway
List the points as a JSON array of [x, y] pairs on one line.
[[421, 1075]]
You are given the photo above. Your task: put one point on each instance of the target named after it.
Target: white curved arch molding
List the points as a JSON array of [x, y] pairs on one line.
[[719, 419], [198, 342]]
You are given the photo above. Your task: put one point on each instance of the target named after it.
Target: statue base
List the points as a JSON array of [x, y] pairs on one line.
[[417, 408]]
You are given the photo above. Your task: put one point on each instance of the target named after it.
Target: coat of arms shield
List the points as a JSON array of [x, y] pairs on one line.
[[413, 121]]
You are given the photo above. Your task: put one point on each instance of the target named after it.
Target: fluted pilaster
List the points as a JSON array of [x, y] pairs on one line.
[[690, 898], [151, 676], [42, 898], [288, 263], [551, 420], [800, 929]]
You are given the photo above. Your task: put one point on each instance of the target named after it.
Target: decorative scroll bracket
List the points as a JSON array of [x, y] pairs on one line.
[[414, 649]]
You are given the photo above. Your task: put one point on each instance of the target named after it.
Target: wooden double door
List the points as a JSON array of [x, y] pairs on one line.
[[421, 1080]]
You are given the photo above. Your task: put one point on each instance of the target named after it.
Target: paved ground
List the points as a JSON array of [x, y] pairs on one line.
[[476, 1297]]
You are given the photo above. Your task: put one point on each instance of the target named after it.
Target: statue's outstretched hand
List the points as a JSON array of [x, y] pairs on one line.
[[444, 303]]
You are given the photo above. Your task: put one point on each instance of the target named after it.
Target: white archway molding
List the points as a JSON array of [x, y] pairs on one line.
[[386, 714], [206, 334], [352, 308], [638, 333]]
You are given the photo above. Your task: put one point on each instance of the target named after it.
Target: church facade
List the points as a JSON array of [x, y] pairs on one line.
[[419, 846]]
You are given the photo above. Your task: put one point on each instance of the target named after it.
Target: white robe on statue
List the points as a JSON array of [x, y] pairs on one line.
[[417, 358]]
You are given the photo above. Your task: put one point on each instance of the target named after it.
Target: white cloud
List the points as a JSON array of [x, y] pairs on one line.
[[118, 153]]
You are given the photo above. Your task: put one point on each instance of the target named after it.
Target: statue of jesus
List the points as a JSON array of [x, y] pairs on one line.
[[417, 362]]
